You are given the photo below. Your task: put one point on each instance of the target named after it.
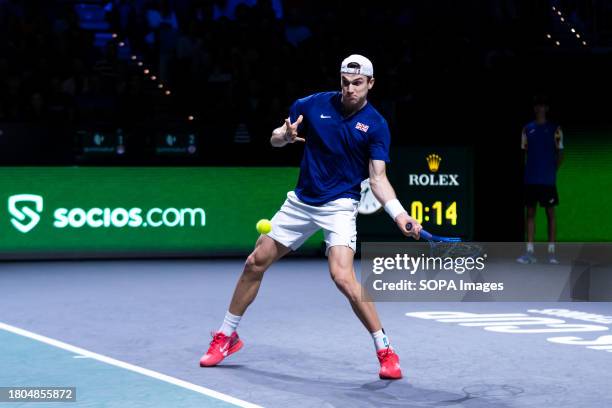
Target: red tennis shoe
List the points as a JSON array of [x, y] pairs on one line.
[[221, 346], [389, 364]]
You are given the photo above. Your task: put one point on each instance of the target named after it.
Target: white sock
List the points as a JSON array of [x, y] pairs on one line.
[[530, 247], [381, 341], [551, 247], [230, 323]]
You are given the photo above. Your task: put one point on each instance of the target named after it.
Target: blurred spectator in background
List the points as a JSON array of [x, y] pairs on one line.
[[295, 29], [542, 142], [162, 36], [109, 69], [35, 110]]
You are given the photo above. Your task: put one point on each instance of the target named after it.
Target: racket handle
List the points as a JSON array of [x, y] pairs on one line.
[[424, 234]]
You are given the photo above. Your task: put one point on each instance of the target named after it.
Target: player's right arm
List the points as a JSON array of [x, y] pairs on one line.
[[384, 193], [288, 133]]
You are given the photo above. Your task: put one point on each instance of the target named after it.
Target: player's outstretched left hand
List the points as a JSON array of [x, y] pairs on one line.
[[402, 220]]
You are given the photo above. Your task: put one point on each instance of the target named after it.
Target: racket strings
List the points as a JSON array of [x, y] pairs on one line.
[[455, 249]]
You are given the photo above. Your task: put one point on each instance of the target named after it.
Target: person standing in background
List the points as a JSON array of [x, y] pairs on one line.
[[542, 142]]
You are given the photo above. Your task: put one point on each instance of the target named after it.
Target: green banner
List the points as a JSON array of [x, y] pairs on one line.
[[108, 211], [584, 182]]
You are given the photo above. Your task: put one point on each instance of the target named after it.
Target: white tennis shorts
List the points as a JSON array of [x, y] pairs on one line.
[[296, 221]]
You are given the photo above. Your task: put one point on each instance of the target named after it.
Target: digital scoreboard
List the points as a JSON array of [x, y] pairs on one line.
[[434, 184]]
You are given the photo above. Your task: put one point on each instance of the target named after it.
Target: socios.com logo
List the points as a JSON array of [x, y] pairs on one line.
[[133, 217], [24, 217], [26, 208]]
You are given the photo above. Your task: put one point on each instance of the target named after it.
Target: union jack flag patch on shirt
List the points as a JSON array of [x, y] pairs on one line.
[[362, 127]]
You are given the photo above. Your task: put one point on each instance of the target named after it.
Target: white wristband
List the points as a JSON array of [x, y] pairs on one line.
[[394, 208]]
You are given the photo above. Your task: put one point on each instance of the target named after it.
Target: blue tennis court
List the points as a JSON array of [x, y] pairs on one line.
[[31, 360], [130, 333]]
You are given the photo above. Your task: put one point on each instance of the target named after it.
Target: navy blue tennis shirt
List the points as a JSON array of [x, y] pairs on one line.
[[542, 142], [338, 149]]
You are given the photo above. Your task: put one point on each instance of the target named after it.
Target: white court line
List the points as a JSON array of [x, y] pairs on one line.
[[144, 371]]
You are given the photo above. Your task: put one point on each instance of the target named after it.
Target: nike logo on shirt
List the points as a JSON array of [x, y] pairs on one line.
[[325, 117]]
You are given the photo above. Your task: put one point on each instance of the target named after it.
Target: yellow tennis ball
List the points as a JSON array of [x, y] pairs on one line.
[[263, 226]]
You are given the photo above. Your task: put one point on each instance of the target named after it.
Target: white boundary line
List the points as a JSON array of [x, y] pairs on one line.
[[127, 366]]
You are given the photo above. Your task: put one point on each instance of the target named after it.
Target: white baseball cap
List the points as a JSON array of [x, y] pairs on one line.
[[365, 66]]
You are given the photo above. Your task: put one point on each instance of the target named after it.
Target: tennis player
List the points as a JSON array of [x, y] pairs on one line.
[[346, 141], [542, 142]]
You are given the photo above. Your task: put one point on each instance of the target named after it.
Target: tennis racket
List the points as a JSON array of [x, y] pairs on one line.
[[433, 238], [449, 246]]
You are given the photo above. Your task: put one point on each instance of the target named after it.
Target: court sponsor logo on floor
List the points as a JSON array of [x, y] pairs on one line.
[[533, 323]]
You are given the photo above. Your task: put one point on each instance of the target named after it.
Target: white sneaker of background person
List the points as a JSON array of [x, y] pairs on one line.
[[528, 258], [552, 259]]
